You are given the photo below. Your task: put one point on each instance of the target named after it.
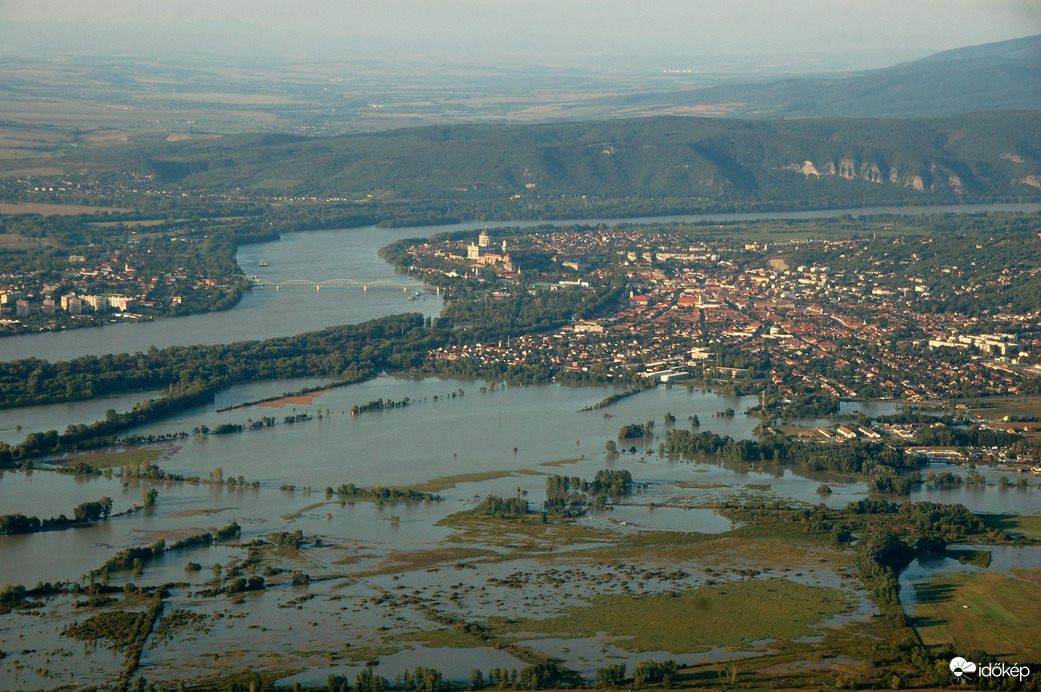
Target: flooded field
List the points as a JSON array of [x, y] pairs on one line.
[[387, 583], [383, 583]]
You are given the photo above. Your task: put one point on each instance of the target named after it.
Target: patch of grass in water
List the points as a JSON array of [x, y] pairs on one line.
[[198, 512], [980, 558], [299, 513], [110, 459], [422, 559], [528, 532], [701, 485], [671, 548], [445, 482], [363, 654], [560, 462]]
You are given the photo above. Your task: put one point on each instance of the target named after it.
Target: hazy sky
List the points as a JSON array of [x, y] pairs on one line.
[[546, 29]]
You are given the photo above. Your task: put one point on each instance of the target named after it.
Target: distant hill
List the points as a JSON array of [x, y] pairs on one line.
[[993, 76], [664, 162]]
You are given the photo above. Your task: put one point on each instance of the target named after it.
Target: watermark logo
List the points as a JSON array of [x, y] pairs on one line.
[[964, 670], [961, 668]]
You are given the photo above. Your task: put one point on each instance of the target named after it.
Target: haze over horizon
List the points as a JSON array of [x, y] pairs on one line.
[[812, 34]]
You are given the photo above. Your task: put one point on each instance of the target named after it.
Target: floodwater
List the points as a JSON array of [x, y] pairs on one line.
[[454, 664], [17, 423], [344, 610], [477, 440], [451, 435], [438, 435]]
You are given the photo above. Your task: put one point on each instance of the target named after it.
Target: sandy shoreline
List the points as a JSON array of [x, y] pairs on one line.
[[300, 400]]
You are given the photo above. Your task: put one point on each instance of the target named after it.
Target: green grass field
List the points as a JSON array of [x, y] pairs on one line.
[[982, 611], [110, 459], [1017, 525]]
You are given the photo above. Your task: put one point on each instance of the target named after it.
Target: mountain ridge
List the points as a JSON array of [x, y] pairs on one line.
[[978, 157]]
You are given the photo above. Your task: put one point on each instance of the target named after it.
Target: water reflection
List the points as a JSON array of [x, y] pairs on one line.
[[262, 313]]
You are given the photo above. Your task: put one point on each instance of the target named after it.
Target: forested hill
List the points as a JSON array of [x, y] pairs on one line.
[[700, 162]]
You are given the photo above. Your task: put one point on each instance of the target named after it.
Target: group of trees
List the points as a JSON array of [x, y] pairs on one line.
[[92, 511], [569, 496], [606, 482], [647, 672], [537, 676], [611, 676], [810, 405], [632, 431], [240, 585], [381, 494], [81, 514], [643, 385], [652, 672], [973, 436], [419, 679], [885, 481], [379, 405], [496, 506], [351, 351], [854, 456], [882, 555], [128, 558]]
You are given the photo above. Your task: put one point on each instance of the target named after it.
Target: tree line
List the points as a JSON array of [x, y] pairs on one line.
[[854, 456], [83, 513]]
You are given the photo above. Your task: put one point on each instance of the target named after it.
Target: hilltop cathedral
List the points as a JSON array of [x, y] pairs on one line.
[[479, 253]]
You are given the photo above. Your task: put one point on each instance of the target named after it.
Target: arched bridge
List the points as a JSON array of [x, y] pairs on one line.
[[349, 283]]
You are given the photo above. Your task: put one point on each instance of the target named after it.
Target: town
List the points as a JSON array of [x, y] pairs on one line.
[[805, 323], [125, 277]]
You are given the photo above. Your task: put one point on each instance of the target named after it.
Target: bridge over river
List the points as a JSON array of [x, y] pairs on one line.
[[343, 283]]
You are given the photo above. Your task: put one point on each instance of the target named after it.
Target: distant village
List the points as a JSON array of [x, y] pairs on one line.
[[110, 284]]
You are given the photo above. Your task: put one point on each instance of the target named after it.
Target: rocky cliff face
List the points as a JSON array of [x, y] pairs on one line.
[[935, 177]]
